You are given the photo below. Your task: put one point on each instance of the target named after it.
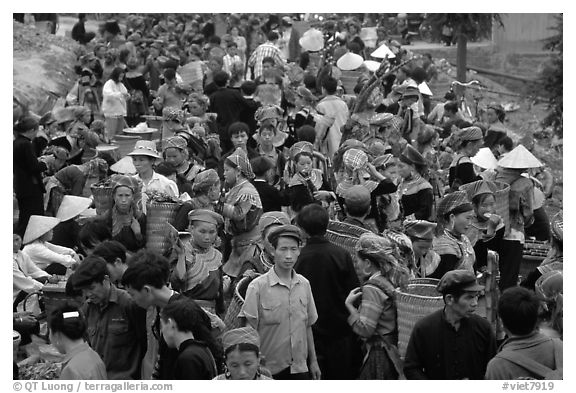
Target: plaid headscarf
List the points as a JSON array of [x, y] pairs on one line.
[[240, 160], [383, 161], [176, 142], [173, 114], [355, 159], [384, 252], [268, 112], [244, 335], [205, 180], [300, 147], [456, 202], [470, 134]]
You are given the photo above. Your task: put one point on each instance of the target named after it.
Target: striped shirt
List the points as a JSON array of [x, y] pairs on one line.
[[265, 50]]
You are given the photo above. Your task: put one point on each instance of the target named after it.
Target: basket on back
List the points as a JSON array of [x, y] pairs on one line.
[[158, 214], [413, 303], [102, 193], [231, 318], [344, 235], [501, 194]]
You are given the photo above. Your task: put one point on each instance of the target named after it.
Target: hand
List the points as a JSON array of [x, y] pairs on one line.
[[135, 226], [53, 279], [315, 370], [322, 195], [49, 160], [353, 296], [494, 220]]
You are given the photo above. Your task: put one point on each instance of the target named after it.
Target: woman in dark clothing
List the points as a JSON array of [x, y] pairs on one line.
[[137, 104], [496, 130], [27, 170], [126, 221], [469, 141], [416, 192]]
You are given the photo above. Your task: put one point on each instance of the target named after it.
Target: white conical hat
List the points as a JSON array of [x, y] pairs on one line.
[[383, 52], [312, 40], [424, 89], [124, 166], [485, 159], [38, 226], [350, 61], [372, 65], [519, 158], [72, 206]]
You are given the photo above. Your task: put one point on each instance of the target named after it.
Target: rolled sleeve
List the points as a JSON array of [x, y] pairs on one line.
[[250, 308]]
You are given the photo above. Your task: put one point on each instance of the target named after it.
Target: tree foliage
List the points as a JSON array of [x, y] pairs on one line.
[[474, 26], [551, 79]]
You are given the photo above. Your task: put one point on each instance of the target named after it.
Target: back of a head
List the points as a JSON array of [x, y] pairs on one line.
[[330, 84], [68, 320], [507, 143], [310, 81], [93, 269], [248, 88], [146, 268], [518, 308], [111, 250], [306, 133], [260, 165], [272, 36], [93, 233], [419, 75], [169, 74], [221, 78], [313, 219], [451, 106], [185, 312], [450, 96]]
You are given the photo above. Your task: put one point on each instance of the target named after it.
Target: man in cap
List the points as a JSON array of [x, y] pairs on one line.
[[452, 343], [357, 207], [116, 325], [280, 306], [330, 270], [526, 353]]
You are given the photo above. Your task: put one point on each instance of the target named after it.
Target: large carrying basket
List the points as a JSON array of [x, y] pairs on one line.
[[414, 303], [231, 318], [158, 214], [344, 235], [501, 196], [102, 197]]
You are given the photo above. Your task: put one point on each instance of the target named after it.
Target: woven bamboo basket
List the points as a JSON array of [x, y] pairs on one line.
[[158, 214], [424, 281], [344, 235], [125, 143], [501, 196], [102, 198], [231, 318], [413, 303]]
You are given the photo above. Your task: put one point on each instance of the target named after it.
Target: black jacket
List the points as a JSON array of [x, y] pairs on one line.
[[27, 169], [272, 199]]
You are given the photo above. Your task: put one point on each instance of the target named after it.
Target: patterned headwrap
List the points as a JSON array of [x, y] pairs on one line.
[[96, 167], [456, 202], [268, 112], [301, 147], [419, 229], [205, 180], [176, 142], [550, 285], [121, 220], [383, 161], [355, 159], [384, 252], [173, 114], [244, 335], [272, 218], [470, 134], [240, 160]]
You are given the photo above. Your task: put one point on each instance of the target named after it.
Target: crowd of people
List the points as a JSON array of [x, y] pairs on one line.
[[263, 146]]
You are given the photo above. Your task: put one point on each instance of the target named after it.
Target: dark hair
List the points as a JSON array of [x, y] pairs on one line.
[[93, 269], [221, 78], [419, 75], [269, 60], [260, 165], [507, 142], [116, 72], [518, 308], [93, 233], [215, 40], [238, 127], [243, 347], [274, 241], [190, 317], [123, 55], [248, 87], [81, 16], [169, 74], [309, 81], [25, 124], [231, 44], [146, 268], [72, 327], [450, 96], [306, 133], [500, 114], [330, 84], [165, 169], [313, 219], [111, 250], [451, 106], [272, 36]]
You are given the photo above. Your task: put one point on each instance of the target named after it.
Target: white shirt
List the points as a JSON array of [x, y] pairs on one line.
[[157, 183], [114, 99], [24, 272], [44, 254]]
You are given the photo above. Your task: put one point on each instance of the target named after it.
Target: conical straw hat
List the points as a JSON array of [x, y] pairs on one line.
[[124, 166], [424, 89], [519, 158], [350, 61], [372, 65], [38, 226], [312, 40], [383, 52], [72, 206], [485, 159]]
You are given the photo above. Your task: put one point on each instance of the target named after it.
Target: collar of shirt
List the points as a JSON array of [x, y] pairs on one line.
[[462, 321], [273, 278], [75, 351], [259, 180]]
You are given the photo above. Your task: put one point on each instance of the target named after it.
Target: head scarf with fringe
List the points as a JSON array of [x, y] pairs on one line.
[[240, 160]]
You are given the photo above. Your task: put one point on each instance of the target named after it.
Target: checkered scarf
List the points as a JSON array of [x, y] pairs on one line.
[[355, 159], [176, 142], [241, 161], [173, 114]]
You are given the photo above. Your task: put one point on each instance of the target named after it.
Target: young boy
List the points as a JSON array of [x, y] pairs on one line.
[[194, 359], [238, 133], [272, 199], [280, 306], [231, 57]]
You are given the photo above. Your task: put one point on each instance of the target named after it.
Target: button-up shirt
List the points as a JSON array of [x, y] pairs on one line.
[[281, 314], [82, 362], [267, 49], [24, 272], [157, 183], [117, 331]]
